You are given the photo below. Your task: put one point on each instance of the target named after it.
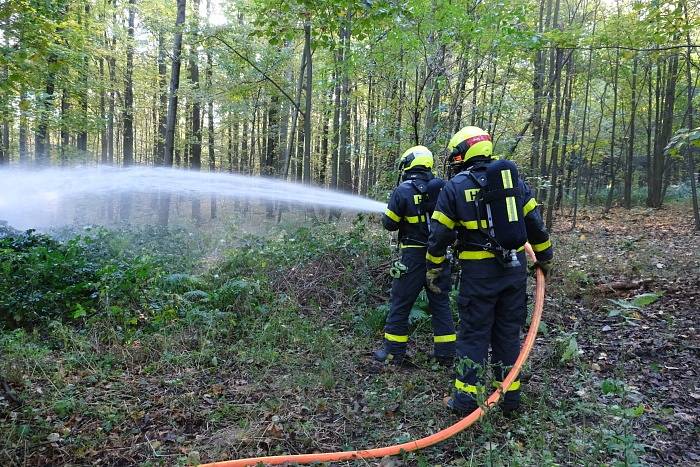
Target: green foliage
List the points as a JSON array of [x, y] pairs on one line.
[[612, 386], [627, 308], [371, 321], [42, 279], [182, 283], [567, 348], [682, 140], [419, 314], [236, 294]]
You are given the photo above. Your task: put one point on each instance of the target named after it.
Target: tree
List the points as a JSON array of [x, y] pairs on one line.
[[174, 85], [128, 147]]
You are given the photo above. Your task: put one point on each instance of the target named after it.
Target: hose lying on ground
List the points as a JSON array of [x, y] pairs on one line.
[[429, 440]]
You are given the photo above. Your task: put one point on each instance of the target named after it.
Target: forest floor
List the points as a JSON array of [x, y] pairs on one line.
[[286, 367]]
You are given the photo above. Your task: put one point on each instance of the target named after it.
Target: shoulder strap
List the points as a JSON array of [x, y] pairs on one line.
[[421, 186], [481, 182]]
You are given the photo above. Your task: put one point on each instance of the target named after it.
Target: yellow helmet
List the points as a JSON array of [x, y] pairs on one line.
[[469, 142], [415, 157]]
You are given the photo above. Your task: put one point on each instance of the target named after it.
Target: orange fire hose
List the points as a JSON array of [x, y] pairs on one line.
[[429, 440]]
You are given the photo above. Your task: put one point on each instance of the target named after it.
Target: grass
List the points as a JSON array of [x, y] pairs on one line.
[[265, 350]]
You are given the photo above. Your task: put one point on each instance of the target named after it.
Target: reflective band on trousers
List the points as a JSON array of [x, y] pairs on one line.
[[471, 389], [445, 338], [480, 254], [395, 338], [514, 386], [434, 259]]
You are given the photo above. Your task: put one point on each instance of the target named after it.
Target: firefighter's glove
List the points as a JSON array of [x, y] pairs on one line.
[[545, 266], [431, 278], [398, 269]]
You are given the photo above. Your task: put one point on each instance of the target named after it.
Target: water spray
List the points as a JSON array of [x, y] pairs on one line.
[[28, 195]]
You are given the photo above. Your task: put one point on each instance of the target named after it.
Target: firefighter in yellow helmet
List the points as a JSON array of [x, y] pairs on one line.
[[492, 213], [410, 206]]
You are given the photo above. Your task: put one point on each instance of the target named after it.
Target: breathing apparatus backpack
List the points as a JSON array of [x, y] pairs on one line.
[[428, 191], [502, 198]]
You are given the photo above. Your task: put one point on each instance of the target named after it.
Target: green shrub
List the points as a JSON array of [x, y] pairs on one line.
[[233, 292], [42, 279]]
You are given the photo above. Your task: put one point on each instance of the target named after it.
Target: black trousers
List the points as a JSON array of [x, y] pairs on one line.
[[492, 312], [405, 291]]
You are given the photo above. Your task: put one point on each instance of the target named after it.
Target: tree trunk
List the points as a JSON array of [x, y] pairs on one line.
[[336, 117], [42, 142], [344, 169], [568, 91], [112, 65], [244, 147], [174, 86], [128, 115], [83, 134], [210, 121], [307, 107], [554, 157], [432, 113], [250, 164], [325, 130], [369, 163], [553, 75], [163, 102], [656, 185], [65, 135], [612, 167], [457, 104], [196, 119], [629, 168], [103, 115], [233, 145], [595, 143], [171, 120], [295, 117], [23, 131], [690, 159]]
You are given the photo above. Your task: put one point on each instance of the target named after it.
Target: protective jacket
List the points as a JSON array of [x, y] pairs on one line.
[[455, 214], [492, 301], [409, 210]]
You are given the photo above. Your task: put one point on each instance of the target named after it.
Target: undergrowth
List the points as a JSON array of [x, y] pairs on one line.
[[142, 346]]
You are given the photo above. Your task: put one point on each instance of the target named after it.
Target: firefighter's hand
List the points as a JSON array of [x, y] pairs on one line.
[[431, 278], [545, 266]]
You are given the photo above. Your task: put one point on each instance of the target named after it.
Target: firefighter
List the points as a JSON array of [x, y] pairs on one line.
[[409, 210], [492, 213]]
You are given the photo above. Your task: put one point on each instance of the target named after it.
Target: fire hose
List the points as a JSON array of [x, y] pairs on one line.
[[428, 441]]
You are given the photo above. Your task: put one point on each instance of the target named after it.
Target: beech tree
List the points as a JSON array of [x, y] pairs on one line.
[[585, 96]]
